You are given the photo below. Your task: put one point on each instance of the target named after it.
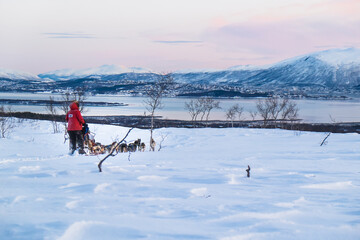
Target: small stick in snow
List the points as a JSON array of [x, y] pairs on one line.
[[248, 171], [324, 141]]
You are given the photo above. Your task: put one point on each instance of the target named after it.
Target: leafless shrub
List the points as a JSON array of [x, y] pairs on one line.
[[51, 110], [193, 108], [290, 112], [276, 108], [154, 95], [7, 123], [233, 112], [201, 107], [207, 105], [333, 120], [77, 95], [253, 114], [263, 110]]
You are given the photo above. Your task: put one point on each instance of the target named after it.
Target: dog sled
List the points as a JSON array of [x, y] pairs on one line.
[[95, 148]]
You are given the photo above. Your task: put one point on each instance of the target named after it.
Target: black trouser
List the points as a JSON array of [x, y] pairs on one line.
[[76, 137]]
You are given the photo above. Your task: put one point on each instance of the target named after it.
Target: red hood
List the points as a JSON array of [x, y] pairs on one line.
[[74, 106]]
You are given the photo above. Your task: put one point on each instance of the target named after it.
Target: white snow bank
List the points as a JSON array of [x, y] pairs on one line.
[[101, 187], [261, 215], [194, 188], [23, 169], [93, 230], [151, 178], [295, 203], [331, 186], [72, 204], [200, 192]]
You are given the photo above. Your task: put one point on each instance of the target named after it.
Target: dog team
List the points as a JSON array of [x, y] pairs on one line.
[[98, 148]]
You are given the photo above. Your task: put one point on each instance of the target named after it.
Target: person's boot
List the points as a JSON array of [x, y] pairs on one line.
[[71, 152], [81, 151]]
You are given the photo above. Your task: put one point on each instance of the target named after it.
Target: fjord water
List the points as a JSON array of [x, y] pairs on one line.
[[174, 108]]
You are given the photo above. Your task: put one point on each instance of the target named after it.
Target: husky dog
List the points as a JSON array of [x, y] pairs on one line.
[[142, 147], [152, 144], [98, 148], [110, 148], [123, 147], [133, 147], [138, 143]]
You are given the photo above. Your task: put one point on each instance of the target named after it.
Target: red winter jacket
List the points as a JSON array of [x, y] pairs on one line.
[[74, 118]]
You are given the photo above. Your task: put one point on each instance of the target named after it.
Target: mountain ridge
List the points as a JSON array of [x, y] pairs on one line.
[[330, 71]]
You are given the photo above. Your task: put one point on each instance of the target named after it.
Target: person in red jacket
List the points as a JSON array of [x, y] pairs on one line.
[[75, 122]]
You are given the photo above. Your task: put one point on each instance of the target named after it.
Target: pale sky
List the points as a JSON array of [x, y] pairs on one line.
[[37, 36]]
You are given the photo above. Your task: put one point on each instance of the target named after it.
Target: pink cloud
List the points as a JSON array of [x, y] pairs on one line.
[[344, 8], [285, 38]]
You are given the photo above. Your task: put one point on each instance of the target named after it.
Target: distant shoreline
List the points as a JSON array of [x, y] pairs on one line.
[[143, 122], [55, 103]]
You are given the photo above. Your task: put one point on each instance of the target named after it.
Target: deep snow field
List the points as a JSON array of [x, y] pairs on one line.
[[194, 188]]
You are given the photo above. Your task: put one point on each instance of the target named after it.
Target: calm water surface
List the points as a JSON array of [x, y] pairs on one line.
[[310, 110]]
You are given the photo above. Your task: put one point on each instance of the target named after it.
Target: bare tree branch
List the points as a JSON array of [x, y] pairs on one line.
[[163, 137], [111, 153]]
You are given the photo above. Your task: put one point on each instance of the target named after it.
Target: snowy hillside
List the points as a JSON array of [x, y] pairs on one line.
[[194, 188], [334, 57], [335, 68], [103, 70], [338, 57], [17, 75]]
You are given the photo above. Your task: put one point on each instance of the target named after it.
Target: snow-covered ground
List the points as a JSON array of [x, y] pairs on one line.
[[194, 188]]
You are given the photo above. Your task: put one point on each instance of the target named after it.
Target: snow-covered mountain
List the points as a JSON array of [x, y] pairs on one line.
[[339, 57], [329, 69], [337, 68], [104, 70], [17, 75], [332, 71]]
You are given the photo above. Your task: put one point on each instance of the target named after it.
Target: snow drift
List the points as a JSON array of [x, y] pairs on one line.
[[194, 188]]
